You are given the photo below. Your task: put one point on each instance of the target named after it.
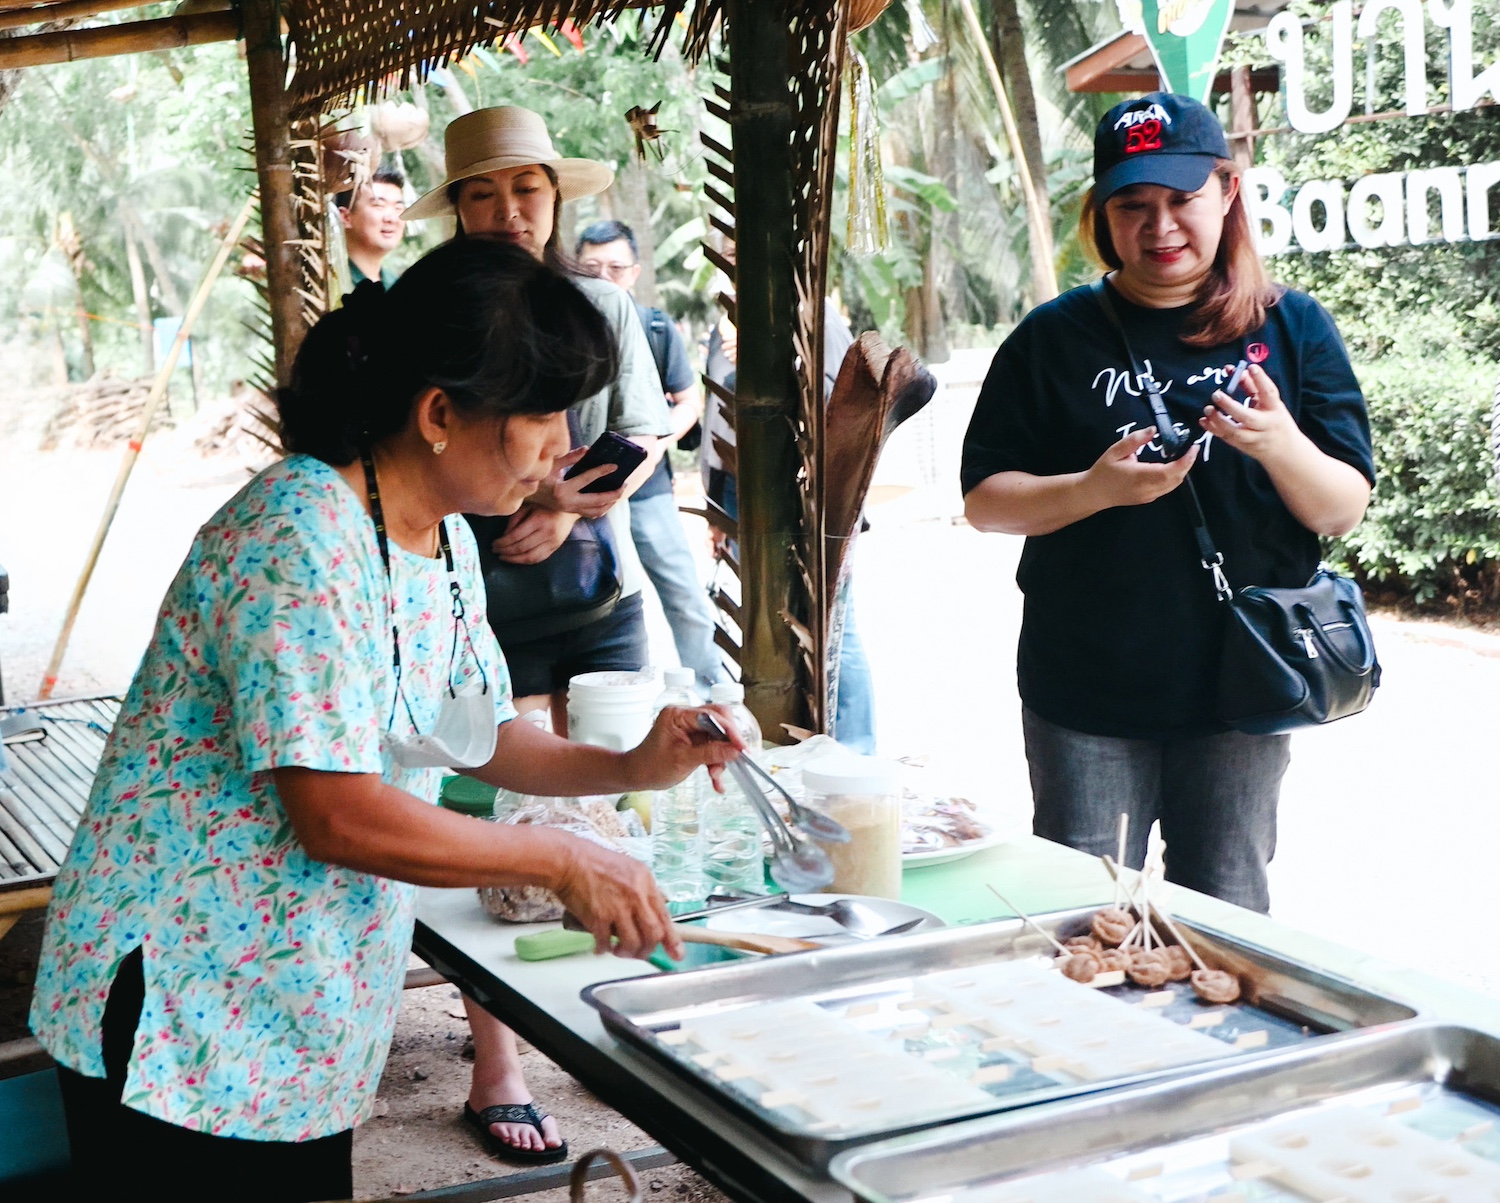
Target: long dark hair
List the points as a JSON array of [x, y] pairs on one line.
[[498, 332], [1233, 299], [553, 254]]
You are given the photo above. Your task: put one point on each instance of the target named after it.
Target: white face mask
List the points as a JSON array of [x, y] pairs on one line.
[[465, 732], [463, 737]]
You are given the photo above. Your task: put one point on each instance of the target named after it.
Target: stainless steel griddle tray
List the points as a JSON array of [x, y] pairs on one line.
[[636, 1009], [1140, 1119]]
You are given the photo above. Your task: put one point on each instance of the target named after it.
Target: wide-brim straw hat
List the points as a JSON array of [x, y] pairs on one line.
[[509, 136]]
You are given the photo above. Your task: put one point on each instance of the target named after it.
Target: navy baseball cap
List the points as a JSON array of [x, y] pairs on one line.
[[1161, 138]]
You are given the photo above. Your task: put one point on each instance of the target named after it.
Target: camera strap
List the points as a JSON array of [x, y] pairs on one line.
[[1209, 555]]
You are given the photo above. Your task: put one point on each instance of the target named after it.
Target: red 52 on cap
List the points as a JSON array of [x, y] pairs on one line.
[[1161, 138]]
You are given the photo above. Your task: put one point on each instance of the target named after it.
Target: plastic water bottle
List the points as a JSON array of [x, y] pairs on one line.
[[676, 833], [733, 862]]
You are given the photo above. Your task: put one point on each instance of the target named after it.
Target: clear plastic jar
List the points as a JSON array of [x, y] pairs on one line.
[[864, 794]]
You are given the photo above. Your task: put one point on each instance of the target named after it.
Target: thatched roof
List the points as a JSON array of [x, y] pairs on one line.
[[350, 48]]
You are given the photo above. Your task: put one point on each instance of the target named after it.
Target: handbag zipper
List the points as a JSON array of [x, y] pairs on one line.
[[1305, 636]]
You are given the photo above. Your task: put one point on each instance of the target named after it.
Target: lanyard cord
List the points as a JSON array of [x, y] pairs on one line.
[[377, 513], [1209, 556]]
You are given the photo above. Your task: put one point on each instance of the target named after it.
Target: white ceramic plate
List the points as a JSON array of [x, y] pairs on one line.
[[765, 921], [941, 856]]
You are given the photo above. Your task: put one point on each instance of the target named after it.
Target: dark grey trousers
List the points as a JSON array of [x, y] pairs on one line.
[[1215, 797]]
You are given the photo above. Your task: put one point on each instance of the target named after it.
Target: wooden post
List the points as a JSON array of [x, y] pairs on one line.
[[1241, 115], [765, 395], [270, 110]]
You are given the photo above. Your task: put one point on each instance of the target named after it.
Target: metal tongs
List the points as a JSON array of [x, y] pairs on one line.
[[797, 864]]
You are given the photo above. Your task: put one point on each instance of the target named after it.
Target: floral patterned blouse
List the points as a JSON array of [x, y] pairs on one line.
[[272, 980]]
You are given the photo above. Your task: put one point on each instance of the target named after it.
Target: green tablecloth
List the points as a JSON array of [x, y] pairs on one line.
[[1035, 875]]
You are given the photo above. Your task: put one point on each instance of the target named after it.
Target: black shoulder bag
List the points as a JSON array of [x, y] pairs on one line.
[[1291, 657], [577, 584]]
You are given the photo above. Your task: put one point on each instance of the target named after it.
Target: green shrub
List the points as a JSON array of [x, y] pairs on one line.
[[1432, 532]]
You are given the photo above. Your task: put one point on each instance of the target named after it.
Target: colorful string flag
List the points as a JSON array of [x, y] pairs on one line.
[[513, 44], [572, 33]]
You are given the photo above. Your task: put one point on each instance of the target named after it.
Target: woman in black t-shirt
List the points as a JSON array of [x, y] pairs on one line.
[[1120, 637]]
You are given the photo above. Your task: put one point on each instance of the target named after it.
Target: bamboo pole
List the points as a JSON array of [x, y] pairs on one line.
[[133, 448], [766, 400], [18, 16], [271, 114], [1044, 272], [105, 41]]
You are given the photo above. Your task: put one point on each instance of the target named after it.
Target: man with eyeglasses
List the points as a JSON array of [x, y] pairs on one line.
[[608, 249], [371, 215]]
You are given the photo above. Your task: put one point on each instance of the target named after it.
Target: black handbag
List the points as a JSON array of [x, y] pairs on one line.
[[577, 584], [1290, 657]]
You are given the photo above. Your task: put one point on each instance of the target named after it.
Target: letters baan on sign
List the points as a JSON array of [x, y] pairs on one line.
[[1448, 204]]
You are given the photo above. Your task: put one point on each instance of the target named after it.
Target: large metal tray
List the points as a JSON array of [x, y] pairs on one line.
[[1170, 1140], [1288, 1002]]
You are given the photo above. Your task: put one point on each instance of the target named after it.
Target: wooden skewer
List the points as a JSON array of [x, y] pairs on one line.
[[1120, 849], [1030, 922], [1165, 918]]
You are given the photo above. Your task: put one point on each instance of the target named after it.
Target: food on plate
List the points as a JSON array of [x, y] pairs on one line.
[[1350, 1155], [931, 824], [1215, 986], [1080, 967], [1112, 925], [1179, 962], [1149, 967]]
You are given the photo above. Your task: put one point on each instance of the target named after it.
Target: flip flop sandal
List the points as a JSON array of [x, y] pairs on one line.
[[513, 1113]]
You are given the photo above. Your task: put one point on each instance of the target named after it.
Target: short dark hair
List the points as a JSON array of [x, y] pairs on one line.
[[602, 233], [500, 332], [386, 173]]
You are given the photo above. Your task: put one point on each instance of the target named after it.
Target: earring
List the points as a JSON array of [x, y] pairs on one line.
[[439, 447]]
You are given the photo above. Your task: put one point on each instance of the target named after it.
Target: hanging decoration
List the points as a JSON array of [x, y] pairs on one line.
[[643, 125], [868, 232]]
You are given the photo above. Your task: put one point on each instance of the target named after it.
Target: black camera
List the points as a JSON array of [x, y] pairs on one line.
[[1174, 443]]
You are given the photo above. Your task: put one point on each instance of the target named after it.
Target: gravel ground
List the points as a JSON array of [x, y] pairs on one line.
[[417, 1141], [1387, 821]]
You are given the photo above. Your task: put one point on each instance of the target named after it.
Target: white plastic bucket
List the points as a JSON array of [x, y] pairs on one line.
[[611, 709]]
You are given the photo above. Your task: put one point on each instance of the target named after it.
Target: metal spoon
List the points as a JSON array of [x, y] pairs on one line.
[[815, 823], [857, 918], [797, 865]]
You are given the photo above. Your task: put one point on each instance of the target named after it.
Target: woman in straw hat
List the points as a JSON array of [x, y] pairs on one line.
[[506, 181]]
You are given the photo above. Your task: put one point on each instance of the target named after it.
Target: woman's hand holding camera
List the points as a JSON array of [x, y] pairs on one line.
[[1119, 478]]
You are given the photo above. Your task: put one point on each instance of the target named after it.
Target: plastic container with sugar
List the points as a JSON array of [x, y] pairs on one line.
[[864, 794]]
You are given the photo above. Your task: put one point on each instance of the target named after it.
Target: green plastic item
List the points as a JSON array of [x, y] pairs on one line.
[[466, 796], [544, 945]]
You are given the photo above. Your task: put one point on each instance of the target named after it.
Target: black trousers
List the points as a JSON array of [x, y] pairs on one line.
[[119, 1151]]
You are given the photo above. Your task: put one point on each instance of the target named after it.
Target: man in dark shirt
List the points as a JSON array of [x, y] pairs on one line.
[[371, 215], [608, 249]]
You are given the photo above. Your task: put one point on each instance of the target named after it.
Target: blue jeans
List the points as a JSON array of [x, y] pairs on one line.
[[1215, 796], [668, 561], [854, 712]]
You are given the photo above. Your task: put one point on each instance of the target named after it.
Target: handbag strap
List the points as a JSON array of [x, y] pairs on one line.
[[1209, 555]]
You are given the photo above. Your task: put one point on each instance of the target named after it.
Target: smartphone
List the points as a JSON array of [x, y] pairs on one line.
[[609, 448], [1237, 379]]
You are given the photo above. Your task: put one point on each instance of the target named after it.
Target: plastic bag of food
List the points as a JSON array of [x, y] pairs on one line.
[[592, 819]]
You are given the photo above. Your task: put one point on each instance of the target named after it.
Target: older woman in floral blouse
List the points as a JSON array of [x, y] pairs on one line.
[[227, 939]]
